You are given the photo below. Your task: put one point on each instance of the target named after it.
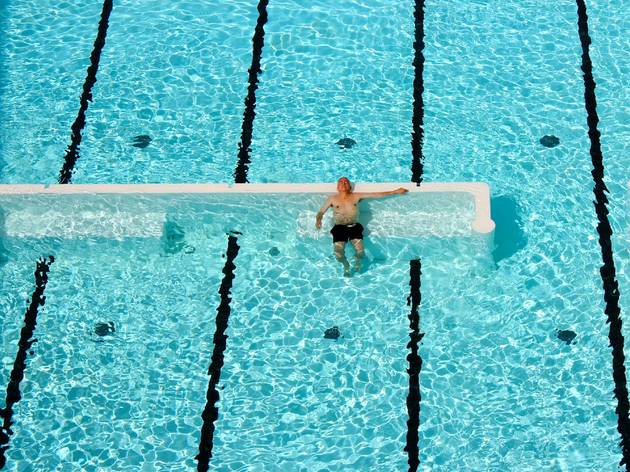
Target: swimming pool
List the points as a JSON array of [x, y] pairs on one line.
[[499, 390]]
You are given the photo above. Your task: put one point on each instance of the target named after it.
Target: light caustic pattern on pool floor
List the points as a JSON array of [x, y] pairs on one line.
[[500, 390], [331, 72], [293, 400], [44, 52], [130, 398], [176, 72], [493, 98], [134, 397]]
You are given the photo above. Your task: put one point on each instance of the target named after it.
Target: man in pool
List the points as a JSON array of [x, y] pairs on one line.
[[345, 205]]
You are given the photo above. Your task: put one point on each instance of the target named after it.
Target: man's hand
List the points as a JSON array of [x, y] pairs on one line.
[[400, 190], [318, 221]]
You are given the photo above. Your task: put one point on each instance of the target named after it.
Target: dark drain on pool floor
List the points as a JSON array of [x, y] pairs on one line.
[[332, 333], [549, 141], [141, 141], [566, 335], [346, 143], [104, 329]]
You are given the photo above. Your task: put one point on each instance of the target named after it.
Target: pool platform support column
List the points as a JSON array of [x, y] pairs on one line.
[[24, 345], [607, 270]]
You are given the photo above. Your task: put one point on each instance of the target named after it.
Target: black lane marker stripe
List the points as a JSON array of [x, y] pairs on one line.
[[72, 153], [24, 345], [240, 173], [211, 411], [607, 270], [415, 364], [417, 134]]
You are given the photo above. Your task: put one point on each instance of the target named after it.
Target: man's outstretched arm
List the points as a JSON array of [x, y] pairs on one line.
[[362, 195], [320, 214]]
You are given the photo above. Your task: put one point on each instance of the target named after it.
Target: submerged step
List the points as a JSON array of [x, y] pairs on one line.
[[83, 224]]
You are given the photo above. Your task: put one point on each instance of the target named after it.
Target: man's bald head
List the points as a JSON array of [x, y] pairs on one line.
[[344, 185]]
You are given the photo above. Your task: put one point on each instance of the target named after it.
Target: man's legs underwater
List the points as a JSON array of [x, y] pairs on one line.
[[340, 254], [359, 252]]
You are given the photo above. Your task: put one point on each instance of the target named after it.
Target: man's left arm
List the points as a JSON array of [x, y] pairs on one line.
[[363, 195]]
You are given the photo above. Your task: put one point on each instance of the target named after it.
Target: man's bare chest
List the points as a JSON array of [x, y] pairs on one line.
[[345, 205]]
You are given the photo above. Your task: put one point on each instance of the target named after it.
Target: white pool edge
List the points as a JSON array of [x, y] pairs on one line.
[[480, 191]]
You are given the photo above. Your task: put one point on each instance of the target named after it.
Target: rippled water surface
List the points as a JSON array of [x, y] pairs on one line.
[[500, 390]]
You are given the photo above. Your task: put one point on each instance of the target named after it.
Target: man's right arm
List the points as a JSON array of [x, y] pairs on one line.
[[320, 214]]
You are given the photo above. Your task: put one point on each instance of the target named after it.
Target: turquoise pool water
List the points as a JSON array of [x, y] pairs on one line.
[[499, 390]]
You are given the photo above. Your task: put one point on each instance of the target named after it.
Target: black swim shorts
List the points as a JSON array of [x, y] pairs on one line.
[[344, 233]]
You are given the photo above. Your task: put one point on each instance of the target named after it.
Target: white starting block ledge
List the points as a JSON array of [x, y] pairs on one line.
[[140, 210]]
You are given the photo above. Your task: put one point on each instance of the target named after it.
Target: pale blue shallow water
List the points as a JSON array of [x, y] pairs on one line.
[[45, 52], [499, 390]]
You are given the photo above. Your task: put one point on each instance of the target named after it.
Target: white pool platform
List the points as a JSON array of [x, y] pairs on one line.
[[20, 200]]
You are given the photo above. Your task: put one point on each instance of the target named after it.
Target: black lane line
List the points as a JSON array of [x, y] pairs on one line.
[[415, 364], [24, 345], [417, 134], [72, 153], [240, 173], [607, 270], [211, 411]]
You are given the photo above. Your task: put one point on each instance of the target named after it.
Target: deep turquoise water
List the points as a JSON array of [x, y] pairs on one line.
[[499, 390]]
